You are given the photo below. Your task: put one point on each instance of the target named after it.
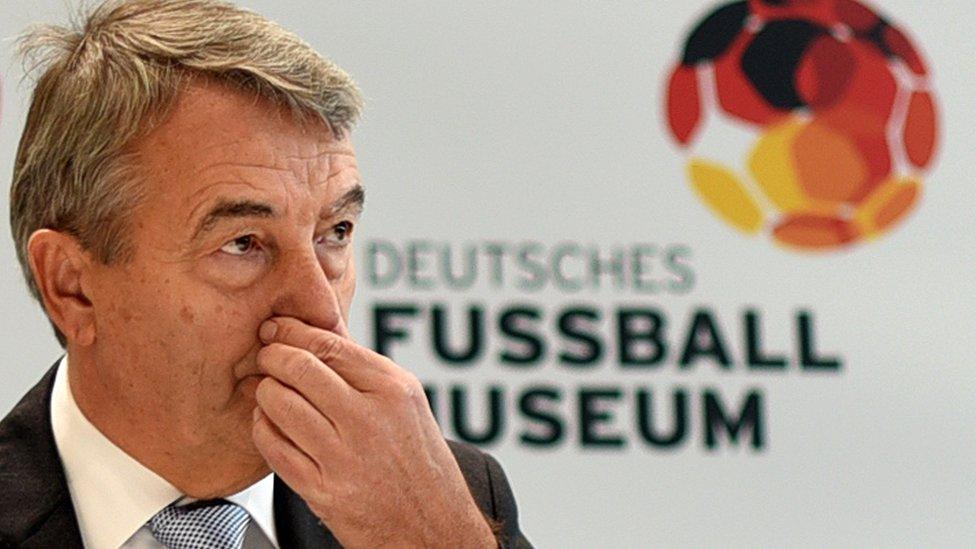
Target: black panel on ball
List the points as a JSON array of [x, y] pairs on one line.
[[772, 59], [715, 34]]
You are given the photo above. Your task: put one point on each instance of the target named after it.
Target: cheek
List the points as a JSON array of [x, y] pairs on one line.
[[142, 322], [133, 302], [164, 316], [226, 323], [345, 286]]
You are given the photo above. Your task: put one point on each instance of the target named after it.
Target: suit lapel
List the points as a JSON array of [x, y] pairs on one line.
[[35, 505], [295, 523]]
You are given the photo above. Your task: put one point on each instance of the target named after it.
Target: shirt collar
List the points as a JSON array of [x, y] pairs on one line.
[[113, 494], [258, 500]]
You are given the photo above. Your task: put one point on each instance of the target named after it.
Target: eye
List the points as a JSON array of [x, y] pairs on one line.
[[338, 236], [239, 246]]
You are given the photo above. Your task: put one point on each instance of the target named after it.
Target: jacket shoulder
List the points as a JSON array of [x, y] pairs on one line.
[[35, 505], [491, 491]]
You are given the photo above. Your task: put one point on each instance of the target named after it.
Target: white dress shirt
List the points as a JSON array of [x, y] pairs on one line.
[[114, 495]]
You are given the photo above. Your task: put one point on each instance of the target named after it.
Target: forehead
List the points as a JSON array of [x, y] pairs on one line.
[[216, 137]]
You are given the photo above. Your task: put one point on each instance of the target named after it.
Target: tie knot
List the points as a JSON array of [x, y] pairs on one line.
[[216, 523]]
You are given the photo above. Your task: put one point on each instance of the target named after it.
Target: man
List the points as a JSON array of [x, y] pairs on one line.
[[184, 200]]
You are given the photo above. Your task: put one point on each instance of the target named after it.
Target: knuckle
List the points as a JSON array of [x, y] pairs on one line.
[[285, 329], [406, 387], [291, 358], [387, 364], [325, 498], [302, 365], [288, 408], [325, 347]]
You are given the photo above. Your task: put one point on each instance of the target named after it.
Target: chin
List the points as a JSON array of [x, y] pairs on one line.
[[231, 485]]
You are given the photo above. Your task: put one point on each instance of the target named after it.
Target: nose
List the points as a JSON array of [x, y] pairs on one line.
[[306, 293]]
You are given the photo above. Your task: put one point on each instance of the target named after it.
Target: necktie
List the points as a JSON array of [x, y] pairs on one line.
[[211, 524]]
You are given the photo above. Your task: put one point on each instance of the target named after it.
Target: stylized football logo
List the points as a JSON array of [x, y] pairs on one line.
[[840, 119]]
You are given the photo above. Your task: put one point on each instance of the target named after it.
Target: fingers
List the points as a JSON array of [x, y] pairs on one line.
[[296, 418], [357, 365], [284, 458], [303, 372]]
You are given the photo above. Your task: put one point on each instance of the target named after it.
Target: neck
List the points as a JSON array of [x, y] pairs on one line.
[[200, 470]]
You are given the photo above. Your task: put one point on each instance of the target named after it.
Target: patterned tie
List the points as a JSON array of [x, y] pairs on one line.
[[211, 524]]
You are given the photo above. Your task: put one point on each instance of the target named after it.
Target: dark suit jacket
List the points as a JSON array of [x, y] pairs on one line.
[[36, 509]]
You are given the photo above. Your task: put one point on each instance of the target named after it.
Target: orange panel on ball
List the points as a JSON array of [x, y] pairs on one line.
[[811, 232], [829, 166], [868, 134], [888, 205], [920, 129], [877, 156]]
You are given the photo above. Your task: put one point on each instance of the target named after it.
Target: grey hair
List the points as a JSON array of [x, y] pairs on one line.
[[113, 75]]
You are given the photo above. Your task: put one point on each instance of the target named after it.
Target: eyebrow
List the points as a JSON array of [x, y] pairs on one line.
[[229, 209], [354, 199]]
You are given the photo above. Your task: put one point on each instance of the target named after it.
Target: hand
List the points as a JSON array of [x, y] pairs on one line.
[[352, 433]]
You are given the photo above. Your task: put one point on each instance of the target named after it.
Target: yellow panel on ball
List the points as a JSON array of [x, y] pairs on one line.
[[723, 191], [887, 205], [773, 166]]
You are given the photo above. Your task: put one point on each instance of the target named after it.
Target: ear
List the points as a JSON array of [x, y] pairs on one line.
[[62, 271]]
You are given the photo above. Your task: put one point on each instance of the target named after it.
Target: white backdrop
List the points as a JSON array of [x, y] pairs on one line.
[[539, 124]]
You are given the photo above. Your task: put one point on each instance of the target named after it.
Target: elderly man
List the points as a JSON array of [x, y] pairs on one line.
[[184, 202]]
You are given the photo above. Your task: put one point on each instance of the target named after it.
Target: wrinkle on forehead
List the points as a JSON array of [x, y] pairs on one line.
[[302, 174], [311, 168], [212, 120], [220, 143]]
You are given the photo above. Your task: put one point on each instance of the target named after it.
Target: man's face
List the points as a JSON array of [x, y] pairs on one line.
[[246, 214]]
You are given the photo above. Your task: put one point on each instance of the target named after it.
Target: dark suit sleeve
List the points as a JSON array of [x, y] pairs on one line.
[[505, 510], [491, 491]]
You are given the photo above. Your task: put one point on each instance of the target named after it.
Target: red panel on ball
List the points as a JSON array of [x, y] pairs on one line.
[[825, 72], [901, 46], [920, 129], [819, 11], [872, 86], [684, 103], [856, 15]]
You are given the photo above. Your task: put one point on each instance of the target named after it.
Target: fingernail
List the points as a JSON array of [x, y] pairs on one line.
[[268, 330], [256, 414]]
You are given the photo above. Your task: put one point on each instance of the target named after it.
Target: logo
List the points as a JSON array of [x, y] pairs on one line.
[[810, 121]]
